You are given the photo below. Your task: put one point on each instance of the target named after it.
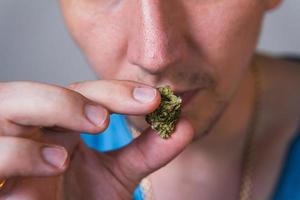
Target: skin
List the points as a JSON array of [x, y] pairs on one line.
[[188, 45], [42, 120], [210, 47]]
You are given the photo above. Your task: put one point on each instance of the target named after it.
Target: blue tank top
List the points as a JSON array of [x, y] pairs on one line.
[[288, 185], [118, 135]]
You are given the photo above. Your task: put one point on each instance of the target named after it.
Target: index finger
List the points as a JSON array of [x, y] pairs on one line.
[[125, 97]]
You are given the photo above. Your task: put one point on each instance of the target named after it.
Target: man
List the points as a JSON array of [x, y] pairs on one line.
[[205, 51]]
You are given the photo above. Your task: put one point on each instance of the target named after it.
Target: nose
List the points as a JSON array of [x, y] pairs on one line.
[[156, 38]]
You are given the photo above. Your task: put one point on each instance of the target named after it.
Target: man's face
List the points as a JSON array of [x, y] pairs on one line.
[[188, 44]]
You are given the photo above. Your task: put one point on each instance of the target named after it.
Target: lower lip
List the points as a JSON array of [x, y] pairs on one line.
[[188, 96]]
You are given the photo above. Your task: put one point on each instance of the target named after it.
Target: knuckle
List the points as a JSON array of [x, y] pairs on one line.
[[2, 86], [65, 99], [75, 85], [8, 128], [5, 88], [11, 150], [20, 157]]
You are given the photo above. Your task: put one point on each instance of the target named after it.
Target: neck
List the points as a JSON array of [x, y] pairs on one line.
[[225, 141], [214, 160]]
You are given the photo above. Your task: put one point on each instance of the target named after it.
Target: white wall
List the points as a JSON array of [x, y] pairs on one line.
[[281, 30], [34, 44]]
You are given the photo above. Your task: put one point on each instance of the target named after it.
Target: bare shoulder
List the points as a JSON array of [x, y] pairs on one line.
[[280, 111], [281, 79], [284, 71]]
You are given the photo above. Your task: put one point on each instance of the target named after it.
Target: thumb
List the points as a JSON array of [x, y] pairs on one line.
[[149, 152]]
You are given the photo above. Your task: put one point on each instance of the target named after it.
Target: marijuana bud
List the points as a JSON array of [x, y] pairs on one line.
[[164, 118]]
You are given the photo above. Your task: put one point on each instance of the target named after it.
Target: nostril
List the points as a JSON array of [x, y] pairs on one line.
[[156, 61], [153, 66]]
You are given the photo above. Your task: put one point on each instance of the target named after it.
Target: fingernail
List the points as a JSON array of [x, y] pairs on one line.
[[96, 114], [144, 94], [55, 156]]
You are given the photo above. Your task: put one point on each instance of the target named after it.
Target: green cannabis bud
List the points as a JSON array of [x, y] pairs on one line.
[[164, 118]]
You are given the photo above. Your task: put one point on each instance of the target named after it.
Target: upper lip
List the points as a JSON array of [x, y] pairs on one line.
[[179, 91], [187, 95], [182, 92]]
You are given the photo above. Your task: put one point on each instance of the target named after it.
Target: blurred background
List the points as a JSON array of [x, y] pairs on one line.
[[34, 44]]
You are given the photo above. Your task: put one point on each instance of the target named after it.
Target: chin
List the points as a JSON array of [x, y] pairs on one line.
[[204, 114]]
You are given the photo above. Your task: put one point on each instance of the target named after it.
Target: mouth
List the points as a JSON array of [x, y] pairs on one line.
[[187, 96]]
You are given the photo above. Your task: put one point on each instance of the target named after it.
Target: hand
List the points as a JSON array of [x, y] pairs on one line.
[[36, 118]]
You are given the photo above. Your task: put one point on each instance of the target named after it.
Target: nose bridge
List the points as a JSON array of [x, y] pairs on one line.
[[154, 40], [154, 30]]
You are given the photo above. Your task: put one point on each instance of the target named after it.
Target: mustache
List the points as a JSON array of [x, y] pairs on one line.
[[201, 79], [181, 79]]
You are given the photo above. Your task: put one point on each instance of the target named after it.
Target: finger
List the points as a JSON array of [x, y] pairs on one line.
[[149, 152], [9, 128], [37, 104], [24, 157], [33, 188], [126, 97]]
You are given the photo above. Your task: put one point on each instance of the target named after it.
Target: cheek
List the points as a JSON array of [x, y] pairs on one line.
[[97, 32], [226, 26], [226, 36]]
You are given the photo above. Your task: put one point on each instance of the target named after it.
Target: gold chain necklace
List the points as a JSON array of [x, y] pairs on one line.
[[246, 185], [249, 152], [2, 183]]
